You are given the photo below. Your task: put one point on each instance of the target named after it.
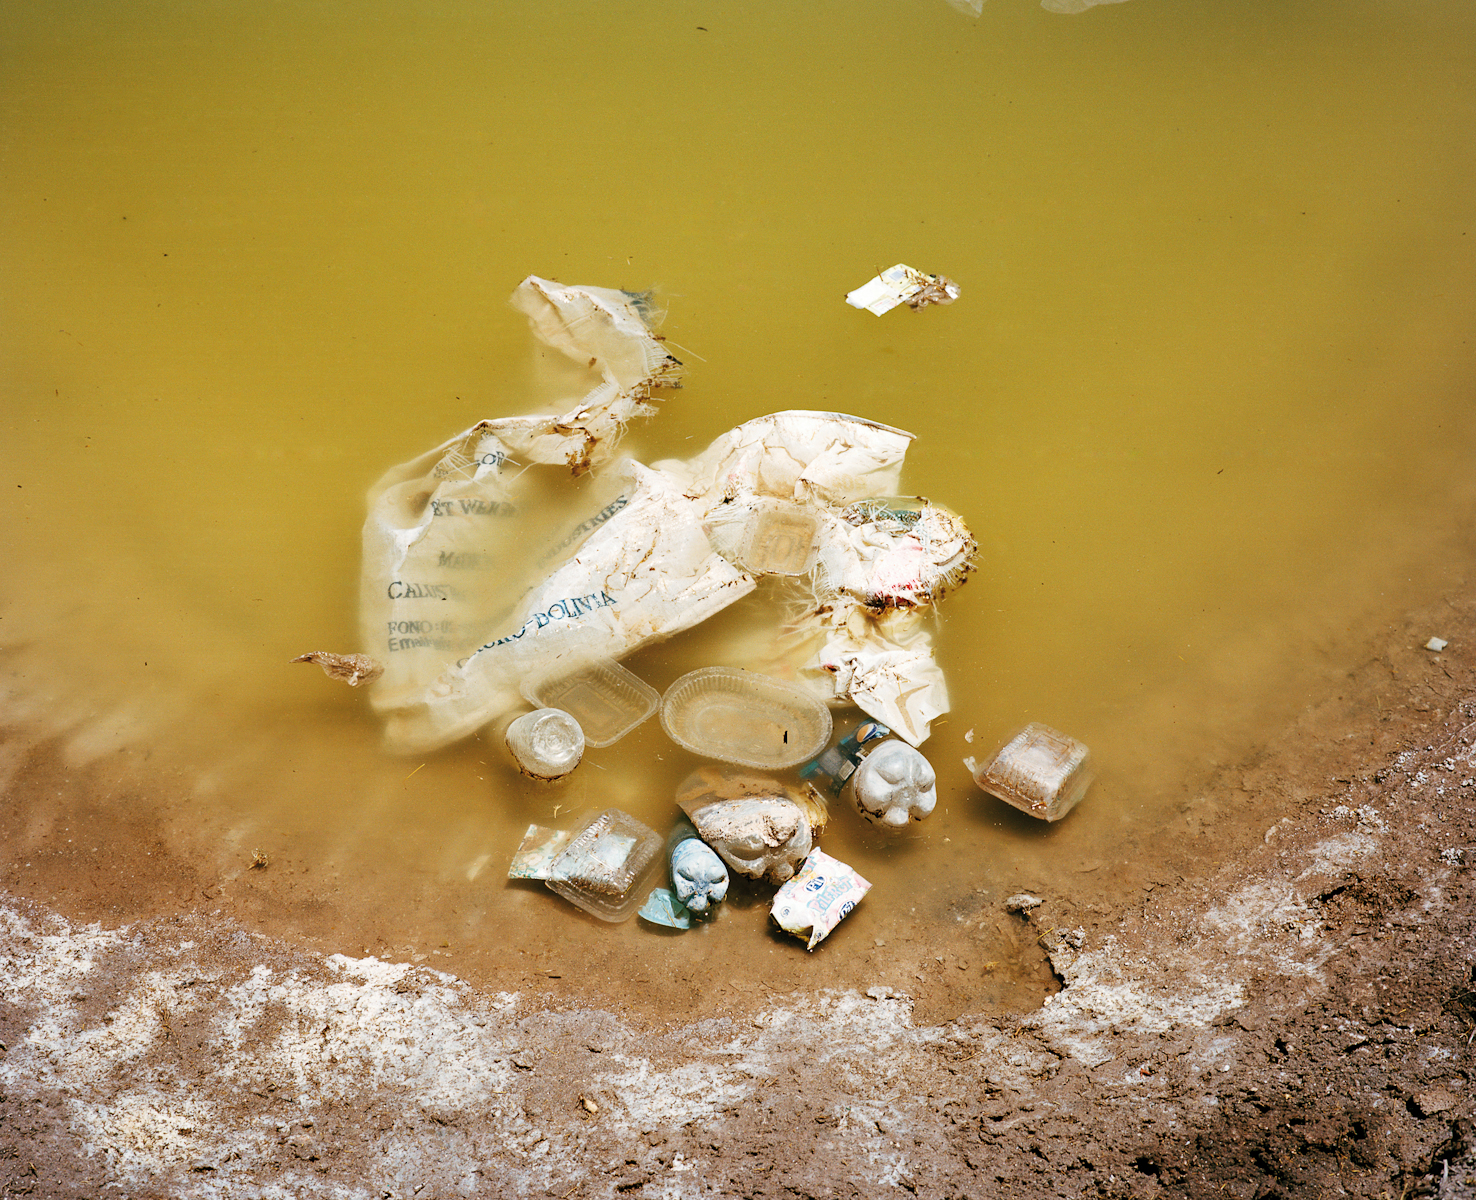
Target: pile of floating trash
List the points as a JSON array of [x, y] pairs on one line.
[[508, 571]]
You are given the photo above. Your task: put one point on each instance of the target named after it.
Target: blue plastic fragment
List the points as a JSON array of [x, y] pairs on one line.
[[663, 908]]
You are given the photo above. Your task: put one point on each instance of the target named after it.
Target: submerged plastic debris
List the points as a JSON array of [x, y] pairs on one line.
[[902, 285], [1073, 6], [766, 536], [607, 700], [535, 855], [662, 907], [816, 900], [600, 866], [546, 744], [501, 569], [745, 718], [975, 8], [496, 560], [839, 762], [758, 826], [1040, 771], [352, 669]]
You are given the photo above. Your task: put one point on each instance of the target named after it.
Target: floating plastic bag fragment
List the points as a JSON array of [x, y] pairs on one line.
[[1040, 771], [902, 285], [698, 877], [603, 864], [535, 854], [758, 826], [745, 718], [883, 564], [546, 744], [894, 786], [457, 540], [818, 898], [352, 669]]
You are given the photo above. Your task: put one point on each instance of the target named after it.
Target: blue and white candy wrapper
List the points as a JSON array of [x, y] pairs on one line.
[[818, 898]]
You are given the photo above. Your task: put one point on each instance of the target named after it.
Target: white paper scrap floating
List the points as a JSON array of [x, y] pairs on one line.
[[1073, 6], [902, 285]]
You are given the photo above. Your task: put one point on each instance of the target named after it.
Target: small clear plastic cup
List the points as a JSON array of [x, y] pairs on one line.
[[744, 718], [546, 744]]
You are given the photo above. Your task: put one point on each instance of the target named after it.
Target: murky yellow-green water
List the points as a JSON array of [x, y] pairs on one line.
[[1203, 399]]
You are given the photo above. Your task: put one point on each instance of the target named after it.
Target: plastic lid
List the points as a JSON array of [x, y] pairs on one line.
[[744, 718], [547, 744]]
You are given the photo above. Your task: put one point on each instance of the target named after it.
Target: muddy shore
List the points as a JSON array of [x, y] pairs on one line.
[[1291, 1015]]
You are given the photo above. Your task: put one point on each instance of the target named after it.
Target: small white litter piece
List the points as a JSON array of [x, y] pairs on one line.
[[902, 285], [1022, 902], [1436, 644], [1070, 7]]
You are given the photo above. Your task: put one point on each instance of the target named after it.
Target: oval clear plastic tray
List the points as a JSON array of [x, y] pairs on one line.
[[740, 717], [606, 699]]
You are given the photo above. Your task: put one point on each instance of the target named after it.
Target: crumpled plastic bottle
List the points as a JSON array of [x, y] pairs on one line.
[[697, 874], [894, 786], [758, 826]]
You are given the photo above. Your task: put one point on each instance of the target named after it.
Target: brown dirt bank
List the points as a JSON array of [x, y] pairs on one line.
[[1286, 1015]]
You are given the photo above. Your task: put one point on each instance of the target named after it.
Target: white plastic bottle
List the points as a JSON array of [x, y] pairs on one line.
[[893, 786]]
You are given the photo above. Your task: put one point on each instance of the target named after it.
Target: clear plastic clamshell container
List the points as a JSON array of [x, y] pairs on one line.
[[740, 717], [1041, 771], [606, 699], [605, 863]]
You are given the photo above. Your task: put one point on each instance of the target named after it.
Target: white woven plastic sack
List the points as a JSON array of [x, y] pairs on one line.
[[524, 547]]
